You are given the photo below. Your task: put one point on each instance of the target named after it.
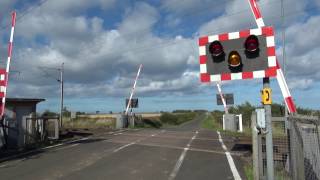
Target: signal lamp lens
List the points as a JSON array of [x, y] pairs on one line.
[[215, 48], [234, 59], [252, 43]]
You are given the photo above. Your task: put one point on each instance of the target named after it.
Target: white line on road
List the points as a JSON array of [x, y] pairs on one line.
[[48, 147], [137, 141], [67, 147], [181, 158], [77, 140], [124, 146], [233, 167]]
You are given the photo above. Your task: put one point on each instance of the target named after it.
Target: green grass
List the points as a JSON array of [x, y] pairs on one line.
[[248, 171], [210, 123]]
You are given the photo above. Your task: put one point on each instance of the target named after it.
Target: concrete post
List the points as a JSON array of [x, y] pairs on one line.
[[269, 143]]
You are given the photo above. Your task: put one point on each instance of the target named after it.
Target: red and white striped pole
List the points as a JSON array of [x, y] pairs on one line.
[[280, 77], [222, 98], [133, 88], [10, 47]]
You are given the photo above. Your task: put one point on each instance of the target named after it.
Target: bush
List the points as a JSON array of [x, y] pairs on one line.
[[169, 118], [152, 123]]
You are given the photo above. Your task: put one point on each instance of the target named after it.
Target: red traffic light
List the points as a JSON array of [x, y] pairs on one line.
[[252, 43], [215, 48]]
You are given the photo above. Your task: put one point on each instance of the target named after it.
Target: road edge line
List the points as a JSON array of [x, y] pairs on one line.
[[232, 165]]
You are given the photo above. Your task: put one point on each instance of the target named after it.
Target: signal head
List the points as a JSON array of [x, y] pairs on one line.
[[234, 59], [216, 49], [252, 43]]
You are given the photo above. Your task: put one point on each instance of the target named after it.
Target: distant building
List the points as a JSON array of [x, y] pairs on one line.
[[16, 109]]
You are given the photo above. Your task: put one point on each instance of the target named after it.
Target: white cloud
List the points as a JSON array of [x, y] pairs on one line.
[[303, 49], [229, 21], [73, 6], [101, 62], [187, 6], [139, 20], [238, 16]]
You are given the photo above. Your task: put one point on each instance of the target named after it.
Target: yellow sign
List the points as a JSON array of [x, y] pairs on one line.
[[266, 96]]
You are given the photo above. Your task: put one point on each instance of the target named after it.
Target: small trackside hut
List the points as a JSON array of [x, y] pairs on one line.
[[15, 121]]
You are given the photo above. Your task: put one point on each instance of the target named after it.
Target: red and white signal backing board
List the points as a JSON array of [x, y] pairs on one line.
[[262, 65]]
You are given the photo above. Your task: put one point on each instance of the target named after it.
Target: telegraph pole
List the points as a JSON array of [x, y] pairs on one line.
[[61, 93], [61, 81], [284, 52]]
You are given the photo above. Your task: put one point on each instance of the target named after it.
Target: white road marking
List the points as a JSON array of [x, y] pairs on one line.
[[48, 147], [181, 158], [67, 147], [233, 167], [176, 147], [77, 140], [127, 145], [178, 164], [124, 146]]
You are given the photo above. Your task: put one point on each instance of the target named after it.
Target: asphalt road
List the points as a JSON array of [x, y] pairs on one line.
[[183, 153]]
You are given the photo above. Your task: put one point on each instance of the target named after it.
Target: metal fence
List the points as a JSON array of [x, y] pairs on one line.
[[280, 150], [304, 147], [40, 129]]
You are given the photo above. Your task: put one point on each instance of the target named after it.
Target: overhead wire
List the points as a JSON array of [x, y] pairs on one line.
[[159, 45], [23, 13], [46, 73], [190, 14]]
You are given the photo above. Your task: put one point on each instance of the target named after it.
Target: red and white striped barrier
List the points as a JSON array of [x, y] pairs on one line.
[[222, 98], [271, 71], [5, 74], [285, 91], [256, 12], [280, 77], [133, 88]]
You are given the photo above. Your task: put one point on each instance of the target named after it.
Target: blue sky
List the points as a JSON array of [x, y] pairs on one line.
[[102, 43]]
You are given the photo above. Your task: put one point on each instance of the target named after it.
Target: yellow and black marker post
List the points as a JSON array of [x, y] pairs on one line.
[[266, 96]]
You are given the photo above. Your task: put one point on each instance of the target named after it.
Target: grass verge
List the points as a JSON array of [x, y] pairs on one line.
[[248, 171], [177, 118], [88, 123]]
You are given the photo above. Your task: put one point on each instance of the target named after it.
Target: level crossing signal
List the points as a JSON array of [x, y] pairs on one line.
[[245, 54], [134, 103]]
